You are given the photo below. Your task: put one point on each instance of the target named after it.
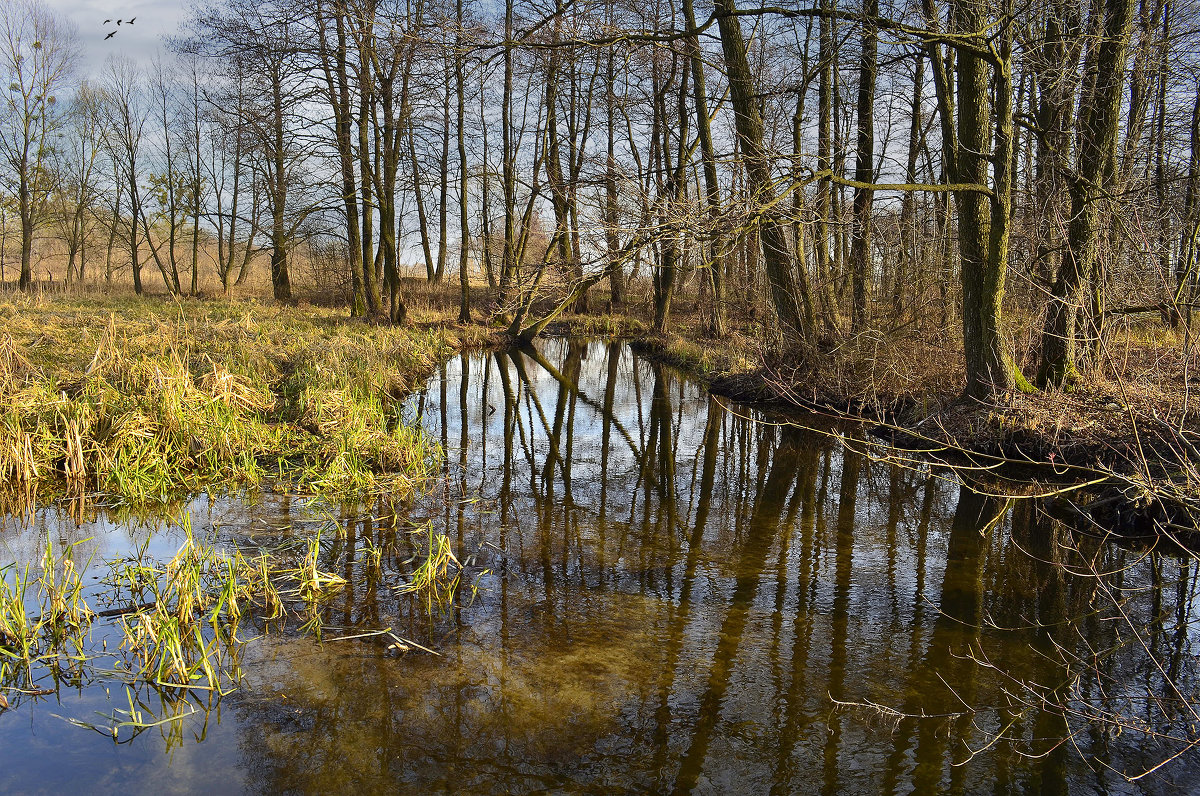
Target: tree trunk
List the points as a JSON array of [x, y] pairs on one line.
[[612, 219], [464, 303], [864, 166], [789, 288], [1185, 269], [365, 295], [910, 240], [509, 264], [444, 187], [983, 219], [25, 210], [1099, 123], [714, 265], [826, 54]]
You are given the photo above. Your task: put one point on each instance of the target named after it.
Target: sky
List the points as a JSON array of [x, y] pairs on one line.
[[140, 42]]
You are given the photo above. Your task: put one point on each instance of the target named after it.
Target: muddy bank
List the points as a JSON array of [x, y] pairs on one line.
[[1098, 432]]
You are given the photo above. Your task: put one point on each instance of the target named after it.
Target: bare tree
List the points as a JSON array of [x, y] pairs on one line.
[[262, 44], [126, 112], [169, 185], [233, 208], [37, 54], [790, 291], [1089, 184], [77, 165]]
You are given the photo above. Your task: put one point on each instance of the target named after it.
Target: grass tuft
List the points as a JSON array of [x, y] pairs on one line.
[[150, 398]]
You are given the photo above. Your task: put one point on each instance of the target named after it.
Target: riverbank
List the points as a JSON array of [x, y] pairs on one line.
[[143, 398], [1137, 422], [637, 523]]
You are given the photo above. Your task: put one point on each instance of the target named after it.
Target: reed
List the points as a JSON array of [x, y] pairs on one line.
[[152, 399], [438, 572], [183, 614], [44, 617]]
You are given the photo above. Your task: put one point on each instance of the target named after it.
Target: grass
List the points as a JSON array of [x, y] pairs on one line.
[[146, 398], [177, 619], [43, 618], [180, 623], [438, 572]]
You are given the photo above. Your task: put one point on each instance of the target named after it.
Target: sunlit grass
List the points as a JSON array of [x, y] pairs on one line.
[[149, 398], [437, 572]]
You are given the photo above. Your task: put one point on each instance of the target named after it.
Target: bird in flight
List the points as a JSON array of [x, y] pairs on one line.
[[109, 36], [107, 21], [130, 20]]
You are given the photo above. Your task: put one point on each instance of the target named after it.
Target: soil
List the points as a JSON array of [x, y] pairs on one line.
[[1142, 430]]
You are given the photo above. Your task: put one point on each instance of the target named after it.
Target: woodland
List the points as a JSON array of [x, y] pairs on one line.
[[962, 235], [1020, 178]]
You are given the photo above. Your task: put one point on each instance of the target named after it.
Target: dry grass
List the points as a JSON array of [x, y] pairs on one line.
[[148, 397]]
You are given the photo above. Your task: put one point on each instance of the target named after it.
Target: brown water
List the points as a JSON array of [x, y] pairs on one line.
[[674, 594]]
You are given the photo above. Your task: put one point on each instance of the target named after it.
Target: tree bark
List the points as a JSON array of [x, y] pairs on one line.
[[464, 303], [714, 265], [864, 166], [789, 288], [1099, 123]]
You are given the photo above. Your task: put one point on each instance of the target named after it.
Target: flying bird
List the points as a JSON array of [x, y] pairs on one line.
[[107, 21], [130, 20], [109, 36]]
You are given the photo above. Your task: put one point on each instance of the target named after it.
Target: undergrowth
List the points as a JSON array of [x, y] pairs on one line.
[[145, 398]]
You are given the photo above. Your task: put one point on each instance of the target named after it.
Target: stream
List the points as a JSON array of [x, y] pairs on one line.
[[664, 592]]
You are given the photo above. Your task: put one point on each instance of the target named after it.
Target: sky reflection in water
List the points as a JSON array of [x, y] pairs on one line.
[[671, 598]]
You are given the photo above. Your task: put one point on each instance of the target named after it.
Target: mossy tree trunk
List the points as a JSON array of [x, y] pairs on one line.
[[979, 101]]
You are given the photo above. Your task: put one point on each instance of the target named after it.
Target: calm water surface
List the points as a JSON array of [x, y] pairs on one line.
[[671, 596]]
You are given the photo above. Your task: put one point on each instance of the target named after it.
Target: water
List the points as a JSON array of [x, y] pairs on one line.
[[672, 594]]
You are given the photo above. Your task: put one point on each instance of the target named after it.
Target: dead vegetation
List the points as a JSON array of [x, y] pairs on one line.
[[147, 398]]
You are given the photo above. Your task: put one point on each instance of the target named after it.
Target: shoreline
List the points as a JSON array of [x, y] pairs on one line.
[[1137, 481], [332, 369]]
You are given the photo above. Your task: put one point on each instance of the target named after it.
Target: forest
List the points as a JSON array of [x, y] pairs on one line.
[[1023, 174], [674, 398]]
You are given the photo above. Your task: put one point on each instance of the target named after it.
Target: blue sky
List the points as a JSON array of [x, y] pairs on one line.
[[139, 42]]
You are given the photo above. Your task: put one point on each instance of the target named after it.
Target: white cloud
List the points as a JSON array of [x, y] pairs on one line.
[[140, 41]]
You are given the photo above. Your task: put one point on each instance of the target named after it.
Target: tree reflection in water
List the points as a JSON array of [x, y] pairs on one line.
[[683, 598], [684, 594]]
